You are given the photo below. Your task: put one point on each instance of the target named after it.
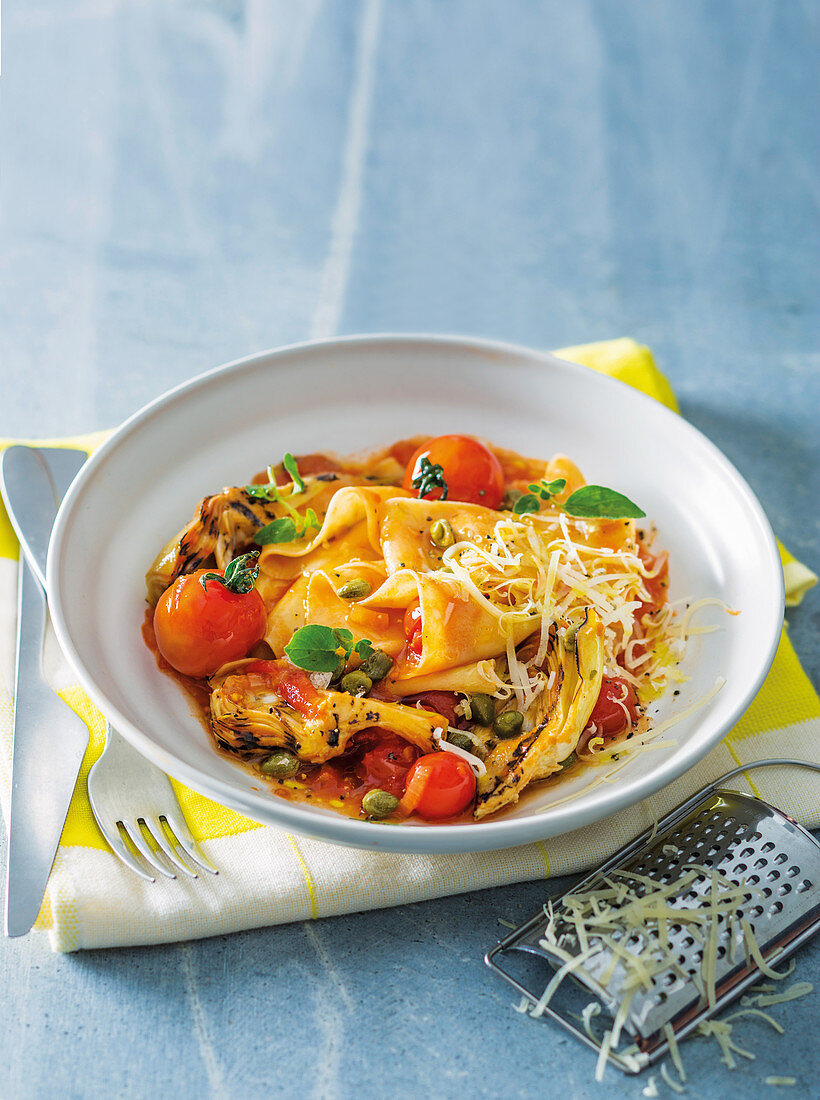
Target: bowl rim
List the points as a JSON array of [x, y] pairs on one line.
[[431, 839]]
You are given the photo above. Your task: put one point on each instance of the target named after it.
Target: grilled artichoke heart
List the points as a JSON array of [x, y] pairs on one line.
[[249, 717], [554, 722]]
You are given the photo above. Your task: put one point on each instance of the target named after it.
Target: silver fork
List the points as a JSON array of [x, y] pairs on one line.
[[130, 794]]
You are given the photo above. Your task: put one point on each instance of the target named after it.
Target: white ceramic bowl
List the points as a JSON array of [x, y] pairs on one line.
[[344, 395]]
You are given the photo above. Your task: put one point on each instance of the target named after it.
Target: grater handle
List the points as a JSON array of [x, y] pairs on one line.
[[774, 762]]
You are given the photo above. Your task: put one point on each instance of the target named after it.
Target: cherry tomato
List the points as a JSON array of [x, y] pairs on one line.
[[608, 713], [289, 683], [412, 620], [439, 785], [440, 702], [199, 629], [472, 472], [386, 765], [413, 630]]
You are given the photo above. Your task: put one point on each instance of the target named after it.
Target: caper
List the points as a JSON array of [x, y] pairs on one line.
[[356, 589], [281, 765], [378, 803], [461, 740], [442, 534], [338, 672], [482, 709], [356, 683], [508, 724], [377, 665]]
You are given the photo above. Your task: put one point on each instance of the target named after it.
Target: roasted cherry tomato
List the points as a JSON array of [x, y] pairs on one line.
[[439, 785], [440, 702], [413, 629], [386, 765], [471, 471], [608, 713], [198, 629]]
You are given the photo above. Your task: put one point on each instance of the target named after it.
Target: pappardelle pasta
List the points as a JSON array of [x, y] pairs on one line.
[[423, 631]]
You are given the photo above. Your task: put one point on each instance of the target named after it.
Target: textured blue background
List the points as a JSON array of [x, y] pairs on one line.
[[188, 181]]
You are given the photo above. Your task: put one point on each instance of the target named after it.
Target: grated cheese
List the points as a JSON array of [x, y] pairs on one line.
[[475, 763], [671, 1082], [543, 567]]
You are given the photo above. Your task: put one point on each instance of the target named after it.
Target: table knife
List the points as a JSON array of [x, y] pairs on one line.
[[49, 738]]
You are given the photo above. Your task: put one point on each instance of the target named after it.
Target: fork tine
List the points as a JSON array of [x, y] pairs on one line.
[[183, 837], [134, 834], [161, 840], [115, 842]]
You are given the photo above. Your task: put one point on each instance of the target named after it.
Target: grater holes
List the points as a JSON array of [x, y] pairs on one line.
[[746, 853], [756, 911], [753, 880], [792, 871], [755, 836], [781, 857], [767, 847], [803, 886], [739, 868], [777, 907], [766, 891], [784, 888], [773, 876], [760, 863]]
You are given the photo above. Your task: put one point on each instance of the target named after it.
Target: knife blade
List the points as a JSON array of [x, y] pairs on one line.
[[49, 738]]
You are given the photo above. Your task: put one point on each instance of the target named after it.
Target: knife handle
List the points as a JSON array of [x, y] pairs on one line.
[[49, 744]]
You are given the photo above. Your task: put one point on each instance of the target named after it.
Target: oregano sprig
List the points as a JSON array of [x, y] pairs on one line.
[[588, 502], [429, 476], [240, 574], [530, 502], [321, 648], [290, 527]]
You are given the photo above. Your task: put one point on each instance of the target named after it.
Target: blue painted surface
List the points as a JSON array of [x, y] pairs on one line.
[[186, 182]]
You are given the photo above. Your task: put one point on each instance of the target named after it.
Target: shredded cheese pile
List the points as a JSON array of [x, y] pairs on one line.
[[543, 568], [616, 939]]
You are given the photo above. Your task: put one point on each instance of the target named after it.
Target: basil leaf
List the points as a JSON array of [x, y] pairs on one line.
[[527, 503], [314, 648], [280, 530], [311, 520], [289, 462], [598, 502]]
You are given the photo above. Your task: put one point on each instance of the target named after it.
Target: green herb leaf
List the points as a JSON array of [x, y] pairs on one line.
[[598, 502], [240, 574], [552, 488], [265, 492], [311, 520], [526, 503], [289, 462], [279, 530], [315, 648], [429, 476]]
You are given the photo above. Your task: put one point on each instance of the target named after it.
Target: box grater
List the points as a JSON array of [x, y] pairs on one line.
[[736, 836]]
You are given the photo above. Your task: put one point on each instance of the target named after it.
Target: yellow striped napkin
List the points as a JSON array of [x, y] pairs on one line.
[[268, 876]]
